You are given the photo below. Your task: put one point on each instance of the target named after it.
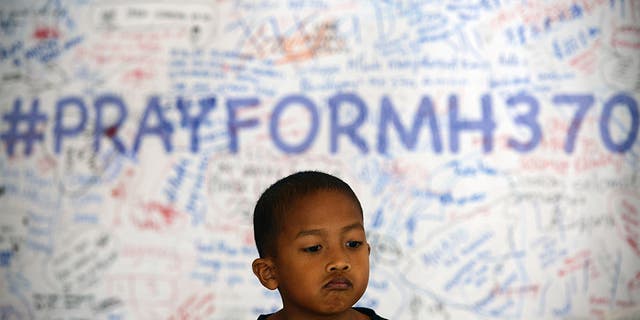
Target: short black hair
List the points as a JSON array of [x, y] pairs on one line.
[[277, 199]]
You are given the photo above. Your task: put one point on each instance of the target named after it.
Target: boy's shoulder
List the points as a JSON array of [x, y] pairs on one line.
[[368, 312]]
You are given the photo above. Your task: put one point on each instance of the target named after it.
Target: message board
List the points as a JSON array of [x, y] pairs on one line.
[[493, 144]]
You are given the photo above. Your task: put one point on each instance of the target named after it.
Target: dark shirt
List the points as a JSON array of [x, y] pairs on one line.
[[369, 312]]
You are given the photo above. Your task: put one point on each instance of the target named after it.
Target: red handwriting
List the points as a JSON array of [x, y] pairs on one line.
[[576, 262], [158, 216], [195, 307], [522, 290], [43, 33], [634, 284]]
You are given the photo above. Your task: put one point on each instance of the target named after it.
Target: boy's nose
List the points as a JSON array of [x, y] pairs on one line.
[[338, 263]]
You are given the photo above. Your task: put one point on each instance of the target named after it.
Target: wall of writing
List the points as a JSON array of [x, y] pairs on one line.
[[494, 145]]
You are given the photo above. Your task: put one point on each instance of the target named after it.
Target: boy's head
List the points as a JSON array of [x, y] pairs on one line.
[[309, 231], [271, 209]]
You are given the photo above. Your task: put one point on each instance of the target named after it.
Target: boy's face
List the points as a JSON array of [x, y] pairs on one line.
[[322, 263]]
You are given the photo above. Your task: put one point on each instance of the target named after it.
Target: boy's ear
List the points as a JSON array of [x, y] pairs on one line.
[[265, 270]]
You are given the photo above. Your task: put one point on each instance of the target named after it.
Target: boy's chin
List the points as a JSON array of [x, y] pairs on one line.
[[337, 301]]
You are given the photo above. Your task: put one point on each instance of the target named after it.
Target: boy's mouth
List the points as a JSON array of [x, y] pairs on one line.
[[338, 283]]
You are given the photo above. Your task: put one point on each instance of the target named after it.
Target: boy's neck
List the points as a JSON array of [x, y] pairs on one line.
[[350, 314]]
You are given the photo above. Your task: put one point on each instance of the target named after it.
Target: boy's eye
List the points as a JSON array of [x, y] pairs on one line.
[[354, 244], [315, 248]]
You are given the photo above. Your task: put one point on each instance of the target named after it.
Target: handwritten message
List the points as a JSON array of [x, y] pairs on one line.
[[494, 146]]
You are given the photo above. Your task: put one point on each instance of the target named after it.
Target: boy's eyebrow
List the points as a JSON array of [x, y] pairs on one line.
[[357, 225], [319, 232], [310, 232]]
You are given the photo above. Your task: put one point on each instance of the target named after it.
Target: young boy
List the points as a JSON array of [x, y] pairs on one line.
[[309, 231]]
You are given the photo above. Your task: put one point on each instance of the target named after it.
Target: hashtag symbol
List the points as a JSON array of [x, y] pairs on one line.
[[29, 136]]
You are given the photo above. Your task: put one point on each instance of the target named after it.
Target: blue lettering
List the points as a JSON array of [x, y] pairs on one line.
[[5, 258], [605, 122], [389, 115], [347, 114], [349, 129], [59, 129], [486, 124], [584, 102], [110, 131], [529, 119], [313, 132], [206, 105], [163, 129], [233, 124]]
